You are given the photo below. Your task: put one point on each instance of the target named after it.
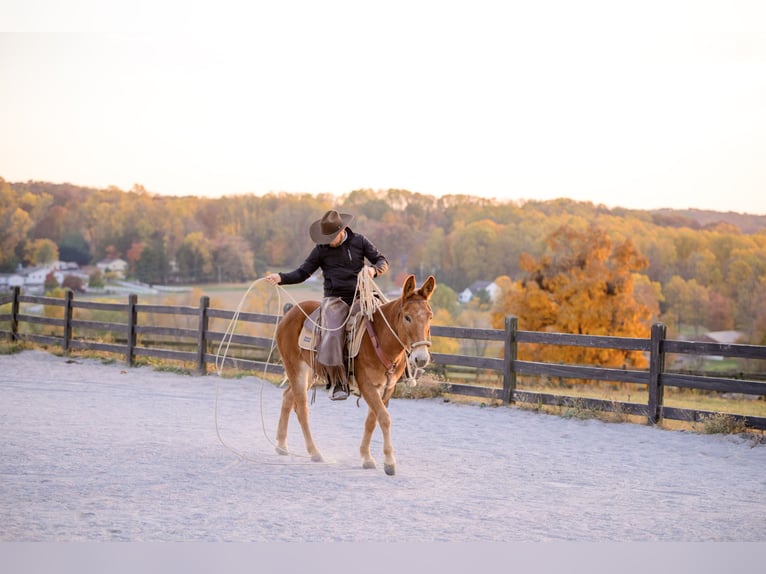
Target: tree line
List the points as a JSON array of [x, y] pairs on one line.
[[582, 266]]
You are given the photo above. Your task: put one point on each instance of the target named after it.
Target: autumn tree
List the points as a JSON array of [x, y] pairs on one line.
[[759, 321], [50, 282], [194, 258], [152, 267], [719, 312], [232, 259], [96, 279], [745, 276], [434, 253], [111, 252], [649, 294], [686, 305], [41, 251], [583, 284], [74, 283], [444, 297], [15, 222], [133, 254], [475, 252], [368, 203]]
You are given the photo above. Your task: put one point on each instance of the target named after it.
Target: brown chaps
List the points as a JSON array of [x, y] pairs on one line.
[[332, 338]]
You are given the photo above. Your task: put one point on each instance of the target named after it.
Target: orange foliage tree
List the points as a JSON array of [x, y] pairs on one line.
[[583, 284]]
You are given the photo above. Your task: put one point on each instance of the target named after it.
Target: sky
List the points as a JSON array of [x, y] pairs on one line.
[[659, 103]]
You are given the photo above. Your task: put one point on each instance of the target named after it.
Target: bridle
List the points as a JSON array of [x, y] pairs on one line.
[[387, 362]]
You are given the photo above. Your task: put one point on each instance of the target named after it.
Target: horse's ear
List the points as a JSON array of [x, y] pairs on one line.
[[409, 287], [427, 289]]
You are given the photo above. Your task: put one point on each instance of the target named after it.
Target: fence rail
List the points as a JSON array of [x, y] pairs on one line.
[[130, 338]]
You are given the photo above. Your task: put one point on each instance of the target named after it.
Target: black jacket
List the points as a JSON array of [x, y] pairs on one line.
[[340, 265]]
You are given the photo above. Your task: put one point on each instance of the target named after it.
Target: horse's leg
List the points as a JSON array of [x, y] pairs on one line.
[[284, 419], [300, 400], [364, 449], [380, 412]]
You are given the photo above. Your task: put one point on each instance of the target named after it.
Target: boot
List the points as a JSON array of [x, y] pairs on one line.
[[338, 391]]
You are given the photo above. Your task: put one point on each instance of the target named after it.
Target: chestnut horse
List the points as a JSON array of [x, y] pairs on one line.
[[399, 327]]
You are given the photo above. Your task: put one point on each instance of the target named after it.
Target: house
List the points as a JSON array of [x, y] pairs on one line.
[[116, 267], [10, 280], [32, 279], [35, 276], [5, 281], [723, 337], [473, 289], [66, 266]]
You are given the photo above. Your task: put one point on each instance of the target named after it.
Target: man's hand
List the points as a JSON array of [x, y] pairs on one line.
[[273, 278]]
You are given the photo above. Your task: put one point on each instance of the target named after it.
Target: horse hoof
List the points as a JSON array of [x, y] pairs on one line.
[[282, 450], [368, 464], [390, 469], [316, 457]]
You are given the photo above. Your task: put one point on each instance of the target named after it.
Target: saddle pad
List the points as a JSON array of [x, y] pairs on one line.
[[309, 334]]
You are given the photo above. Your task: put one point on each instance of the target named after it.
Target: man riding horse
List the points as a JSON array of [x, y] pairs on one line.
[[340, 254]]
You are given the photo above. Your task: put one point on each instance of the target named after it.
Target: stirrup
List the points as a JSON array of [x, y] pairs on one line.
[[338, 392]]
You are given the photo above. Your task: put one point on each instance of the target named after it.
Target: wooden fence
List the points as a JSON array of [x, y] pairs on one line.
[[129, 338]]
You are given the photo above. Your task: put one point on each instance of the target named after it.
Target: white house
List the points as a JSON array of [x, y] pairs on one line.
[[118, 267], [469, 292], [35, 276], [9, 280], [32, 279], [66, 266]]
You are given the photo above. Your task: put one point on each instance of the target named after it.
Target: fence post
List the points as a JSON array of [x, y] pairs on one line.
[[15, 314], [204, 303], [132, 320], [509, 356], [656, 368], [67, 320]]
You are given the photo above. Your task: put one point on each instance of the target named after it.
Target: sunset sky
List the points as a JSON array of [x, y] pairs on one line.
[[658, 103]]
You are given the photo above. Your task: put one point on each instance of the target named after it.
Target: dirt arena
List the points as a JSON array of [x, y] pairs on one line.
[[101, 452]]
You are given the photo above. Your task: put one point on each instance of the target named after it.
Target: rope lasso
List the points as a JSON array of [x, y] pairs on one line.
[[369, 295], [219, 364]]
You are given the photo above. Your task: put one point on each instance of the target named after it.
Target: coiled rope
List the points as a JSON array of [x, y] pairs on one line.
[[370, 298]]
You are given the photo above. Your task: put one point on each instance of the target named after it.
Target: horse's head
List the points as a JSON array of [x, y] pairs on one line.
[[414, 319]]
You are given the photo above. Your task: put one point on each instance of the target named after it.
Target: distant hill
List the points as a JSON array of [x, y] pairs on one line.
[[666, 217], [700, 219]]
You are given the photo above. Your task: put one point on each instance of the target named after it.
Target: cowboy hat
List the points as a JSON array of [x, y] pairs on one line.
[[324, 230]]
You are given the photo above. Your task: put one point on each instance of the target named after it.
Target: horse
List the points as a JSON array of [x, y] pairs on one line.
[[399, 331]]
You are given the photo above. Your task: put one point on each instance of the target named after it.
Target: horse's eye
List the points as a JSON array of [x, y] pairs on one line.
[[408, 319]]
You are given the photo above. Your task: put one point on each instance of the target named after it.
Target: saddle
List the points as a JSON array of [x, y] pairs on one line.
[[354, 331], [310, 333]]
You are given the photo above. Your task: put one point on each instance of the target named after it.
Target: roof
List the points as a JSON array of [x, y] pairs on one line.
[[726, 337], [478, 286]]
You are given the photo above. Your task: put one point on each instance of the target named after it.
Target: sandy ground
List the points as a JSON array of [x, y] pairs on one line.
[[94, 452]]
